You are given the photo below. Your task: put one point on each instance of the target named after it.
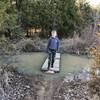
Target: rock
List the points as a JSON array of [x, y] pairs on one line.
[[69, 77], [27, 86], [76, 87]]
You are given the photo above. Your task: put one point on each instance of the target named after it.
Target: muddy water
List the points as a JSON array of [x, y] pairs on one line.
[[73, 63], [30, 63]]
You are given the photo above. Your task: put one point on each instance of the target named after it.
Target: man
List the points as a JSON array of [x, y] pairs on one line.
[[52, 48]]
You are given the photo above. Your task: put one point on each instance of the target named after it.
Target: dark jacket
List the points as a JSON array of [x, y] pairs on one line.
[[53, 43]]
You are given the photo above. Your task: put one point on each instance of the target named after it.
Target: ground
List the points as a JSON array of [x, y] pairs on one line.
[[16, 86]]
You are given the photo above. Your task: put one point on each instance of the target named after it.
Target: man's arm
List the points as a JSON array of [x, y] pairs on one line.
[[48, 44], [58, 42]]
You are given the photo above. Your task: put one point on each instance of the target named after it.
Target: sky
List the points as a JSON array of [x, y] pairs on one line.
[[94, 2]]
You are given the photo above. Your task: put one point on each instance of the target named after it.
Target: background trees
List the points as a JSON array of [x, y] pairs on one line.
[[65, 16], [9, 25]]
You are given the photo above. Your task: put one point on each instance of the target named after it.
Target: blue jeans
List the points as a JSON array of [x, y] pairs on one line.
[[51, 58]]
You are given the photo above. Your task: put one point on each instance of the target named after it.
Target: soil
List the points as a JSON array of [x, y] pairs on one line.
[[16, 86]]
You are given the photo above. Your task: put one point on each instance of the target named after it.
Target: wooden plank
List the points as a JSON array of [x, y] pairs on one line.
[[45, 65], [57, 56], [56, 67]]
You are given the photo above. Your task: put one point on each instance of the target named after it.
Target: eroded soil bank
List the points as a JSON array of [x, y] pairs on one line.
[[16, 86]]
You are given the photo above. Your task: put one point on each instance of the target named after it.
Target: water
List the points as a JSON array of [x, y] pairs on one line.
[[30, 63], [73, 63]]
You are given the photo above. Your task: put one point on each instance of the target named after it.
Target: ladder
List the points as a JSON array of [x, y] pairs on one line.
[[56, 67]]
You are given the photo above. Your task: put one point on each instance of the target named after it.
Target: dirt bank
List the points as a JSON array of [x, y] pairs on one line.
[[16, 86]]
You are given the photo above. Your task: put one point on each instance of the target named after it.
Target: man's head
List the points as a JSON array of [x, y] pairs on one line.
[[54, 33]]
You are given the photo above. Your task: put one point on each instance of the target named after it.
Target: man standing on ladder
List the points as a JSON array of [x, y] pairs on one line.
[[52, 48]]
